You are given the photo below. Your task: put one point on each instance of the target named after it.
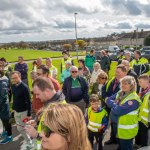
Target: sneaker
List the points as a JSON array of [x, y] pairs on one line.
[[6, 140], [3, 135]]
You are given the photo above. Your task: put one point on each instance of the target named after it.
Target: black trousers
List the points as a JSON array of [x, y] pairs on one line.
[[7, 126], [113, 132], [142, 136], [98, 136]]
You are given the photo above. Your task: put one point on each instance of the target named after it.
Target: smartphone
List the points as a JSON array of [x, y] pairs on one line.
[[21, 125]]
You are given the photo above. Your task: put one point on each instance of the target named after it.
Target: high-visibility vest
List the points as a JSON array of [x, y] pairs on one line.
[[95, 119], [128, 123], [38, 143], [142, 60], [108, 83], [144, 109], [51, 69], [63, 63]]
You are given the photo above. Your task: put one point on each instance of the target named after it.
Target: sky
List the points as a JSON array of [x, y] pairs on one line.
[[41, 20]]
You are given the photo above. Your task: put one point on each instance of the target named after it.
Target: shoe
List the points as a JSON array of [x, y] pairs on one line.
[[6, 140], [110, 142], [3, 135]]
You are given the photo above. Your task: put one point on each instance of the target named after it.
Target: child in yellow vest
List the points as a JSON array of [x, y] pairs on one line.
[[97, 121]]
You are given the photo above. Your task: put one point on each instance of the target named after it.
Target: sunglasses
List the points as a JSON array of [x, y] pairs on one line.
[[103, 78], [47, 131], [74, 71]]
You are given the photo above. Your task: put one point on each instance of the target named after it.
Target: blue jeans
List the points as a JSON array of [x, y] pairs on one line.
[[126, 144]]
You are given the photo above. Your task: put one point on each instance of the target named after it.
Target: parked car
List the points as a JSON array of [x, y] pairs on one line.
[[113, 49], [146, 52]]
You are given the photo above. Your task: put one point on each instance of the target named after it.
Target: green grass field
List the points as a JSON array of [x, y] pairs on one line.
[[12, 54]]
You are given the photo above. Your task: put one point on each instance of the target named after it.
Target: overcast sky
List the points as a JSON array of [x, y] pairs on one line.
[[40, 20]]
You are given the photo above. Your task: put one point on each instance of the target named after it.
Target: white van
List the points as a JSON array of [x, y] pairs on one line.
[[113, 49]]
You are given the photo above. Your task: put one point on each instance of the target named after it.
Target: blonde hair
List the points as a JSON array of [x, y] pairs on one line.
[[68, 121], [97, 64], [129, 80], [102, 74]]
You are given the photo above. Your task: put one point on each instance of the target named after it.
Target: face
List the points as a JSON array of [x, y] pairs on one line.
[[136, 56], [127, 56], [102, 80], [39, 62], [53, 142], [20, 60], [42, 95], [119, 74], [15, 78], [65, 56], [68, 66], [125, 87], [127, 65], [40, 73], [95, 105], [80, 64], [143, 83], [74, 72], [48, 62], [96, 67]]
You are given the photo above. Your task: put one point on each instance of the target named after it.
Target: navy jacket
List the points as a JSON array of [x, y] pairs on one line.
[[4, 103], [67, 89]]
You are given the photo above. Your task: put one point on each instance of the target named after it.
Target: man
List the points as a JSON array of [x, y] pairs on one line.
[[39, 62], [128, 57], [53, 70], [120, 56], [142, 137], [75, 89], [112, 87], [65, 58], [65, 73], [105, 62], [90, 60], [4, 108], [21, 105], [139, 63], [22, 67], [43, 71], [43, 90]]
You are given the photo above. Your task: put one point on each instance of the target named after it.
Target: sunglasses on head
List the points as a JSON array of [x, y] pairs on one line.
[[74, 71], [47, 131]]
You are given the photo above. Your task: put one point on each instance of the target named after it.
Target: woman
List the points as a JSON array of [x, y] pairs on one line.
[[96, 71], [97, 86], [86, 72], [124, 112], [64, 128]]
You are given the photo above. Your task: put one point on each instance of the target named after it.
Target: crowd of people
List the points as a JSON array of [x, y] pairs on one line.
[[77, 111]]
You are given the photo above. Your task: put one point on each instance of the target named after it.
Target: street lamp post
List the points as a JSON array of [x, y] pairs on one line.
[[76, 35]]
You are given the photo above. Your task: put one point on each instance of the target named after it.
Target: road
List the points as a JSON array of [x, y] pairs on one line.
[[17, 141]]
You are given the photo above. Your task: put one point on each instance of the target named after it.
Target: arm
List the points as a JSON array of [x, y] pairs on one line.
[[64, 88], [104, 93], [111, 101], [107, 63], [28, 101], [105, 123], [126, 108], [62, 77], [25, 68]]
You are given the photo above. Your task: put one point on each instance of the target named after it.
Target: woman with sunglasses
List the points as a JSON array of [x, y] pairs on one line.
[[97, 86], [64, 128]]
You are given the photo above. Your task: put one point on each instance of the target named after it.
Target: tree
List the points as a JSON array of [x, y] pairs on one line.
[[147, 41], [67, 47], [81, 43]]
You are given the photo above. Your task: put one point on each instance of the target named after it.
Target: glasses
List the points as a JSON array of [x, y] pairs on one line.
[[47, 131], [103, 78], [74, 71]]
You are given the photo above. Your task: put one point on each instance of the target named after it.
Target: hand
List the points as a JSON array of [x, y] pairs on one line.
[[31, 122], [26, 119], [31, 131]]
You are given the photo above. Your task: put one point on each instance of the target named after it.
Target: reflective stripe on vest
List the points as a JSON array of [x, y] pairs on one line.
[[128, 123], [144, 109], [95, 119], [108, 83]]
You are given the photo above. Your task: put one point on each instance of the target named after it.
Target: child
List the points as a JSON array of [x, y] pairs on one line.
[[142, 138], [96, 121]]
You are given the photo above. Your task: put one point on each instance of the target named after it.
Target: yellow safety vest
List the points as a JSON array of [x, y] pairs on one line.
[[128, 123], [144, 109], [95, 119], [142, 60], [40, 127], [108, 83], [63, 62], [51, 70]]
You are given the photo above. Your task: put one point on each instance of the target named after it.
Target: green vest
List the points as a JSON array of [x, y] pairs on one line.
[[128, 123], [63, 63], [40, 127], [95, 119], [144, 109]]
